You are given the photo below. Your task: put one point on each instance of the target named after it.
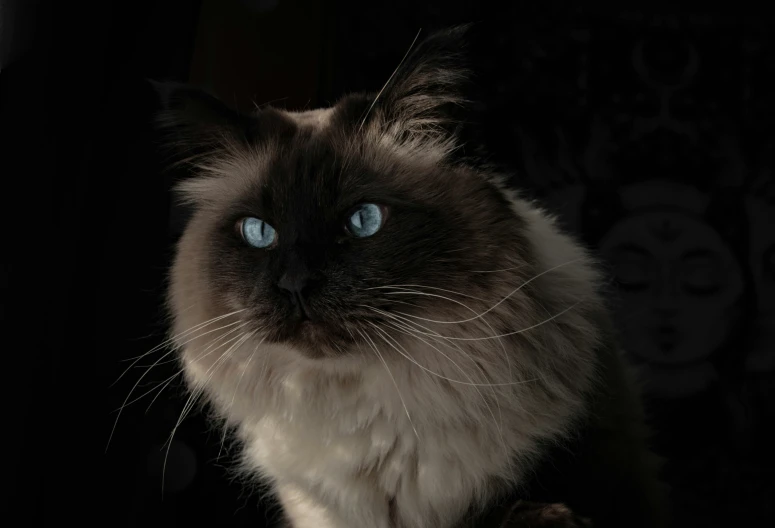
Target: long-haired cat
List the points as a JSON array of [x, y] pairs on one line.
[[398, 338]]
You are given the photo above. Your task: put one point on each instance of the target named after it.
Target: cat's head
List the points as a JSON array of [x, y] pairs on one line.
[[335, 230]]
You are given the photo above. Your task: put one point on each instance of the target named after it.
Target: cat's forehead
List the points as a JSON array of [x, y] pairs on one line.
[[315, 120], [323, 161], [341, 119], [315, 174], [313, 160]]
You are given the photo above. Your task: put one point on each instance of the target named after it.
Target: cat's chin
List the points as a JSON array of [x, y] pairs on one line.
[[313, 340]]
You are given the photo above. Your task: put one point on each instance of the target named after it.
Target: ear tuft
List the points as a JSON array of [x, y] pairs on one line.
[[417, 108]]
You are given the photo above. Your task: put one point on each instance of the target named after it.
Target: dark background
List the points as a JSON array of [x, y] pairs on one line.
[[649, 133]]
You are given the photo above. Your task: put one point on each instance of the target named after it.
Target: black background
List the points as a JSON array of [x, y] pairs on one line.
[[587, 107]]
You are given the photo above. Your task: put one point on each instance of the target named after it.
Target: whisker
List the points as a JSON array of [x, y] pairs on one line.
[[156, 333], [240, 340], [198, 392], [236, 389], [413, 305], [167, 362], [528, 281], [172, 339], [505, 353], [435, 295], [160, 391], [406, 330], [134, 387], [450, 338], [408, 287], [540, 323], [195, 394], [379, 94], [398, 391], [146, 393], [210, 344], [113, 430], [403, 316], [499, 270], [410, 329], [405, 321], [471, 383]]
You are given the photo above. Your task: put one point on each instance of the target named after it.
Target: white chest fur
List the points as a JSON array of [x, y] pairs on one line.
[[384, 450]]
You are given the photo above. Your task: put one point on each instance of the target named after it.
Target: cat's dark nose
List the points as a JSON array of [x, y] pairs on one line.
[[298, 281], [298, 284]]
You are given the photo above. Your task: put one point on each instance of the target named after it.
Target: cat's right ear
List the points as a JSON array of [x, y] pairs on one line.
[[195, 123]]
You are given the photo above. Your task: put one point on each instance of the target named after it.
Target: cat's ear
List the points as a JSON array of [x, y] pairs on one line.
[[196, 123], [419, 107]]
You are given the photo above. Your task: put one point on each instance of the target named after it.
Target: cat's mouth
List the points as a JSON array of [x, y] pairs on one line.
[[302, 312], [312, 337]]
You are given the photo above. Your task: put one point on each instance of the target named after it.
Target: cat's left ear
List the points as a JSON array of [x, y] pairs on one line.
[[197, 123], [418, 109]]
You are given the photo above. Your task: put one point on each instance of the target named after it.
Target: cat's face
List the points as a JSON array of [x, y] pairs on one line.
[[324, 230], [315, 239]]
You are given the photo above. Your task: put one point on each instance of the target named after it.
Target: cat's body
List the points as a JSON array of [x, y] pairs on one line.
[[416, 376]]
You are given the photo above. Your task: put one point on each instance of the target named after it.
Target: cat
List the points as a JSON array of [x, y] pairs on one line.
[[397, 336]]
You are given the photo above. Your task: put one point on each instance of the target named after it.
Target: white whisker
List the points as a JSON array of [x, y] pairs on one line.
[[450, 338], [113, 430], [236, 389], [505, 298], [172, 339], [408, 287], [160, 391], [146, 393], [523, 330], [462, 371], [398, 391], [379, 94], [503, 348], [499, 270], [406, 330], [140, 379], [198, 392]]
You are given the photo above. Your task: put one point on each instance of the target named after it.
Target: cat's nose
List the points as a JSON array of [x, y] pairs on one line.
[[297, 284], [298, 281]]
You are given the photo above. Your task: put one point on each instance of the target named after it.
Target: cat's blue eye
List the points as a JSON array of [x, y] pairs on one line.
[[257, 233], [366, 220]]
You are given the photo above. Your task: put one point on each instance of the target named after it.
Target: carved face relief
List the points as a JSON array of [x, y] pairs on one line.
[[679, 284]]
